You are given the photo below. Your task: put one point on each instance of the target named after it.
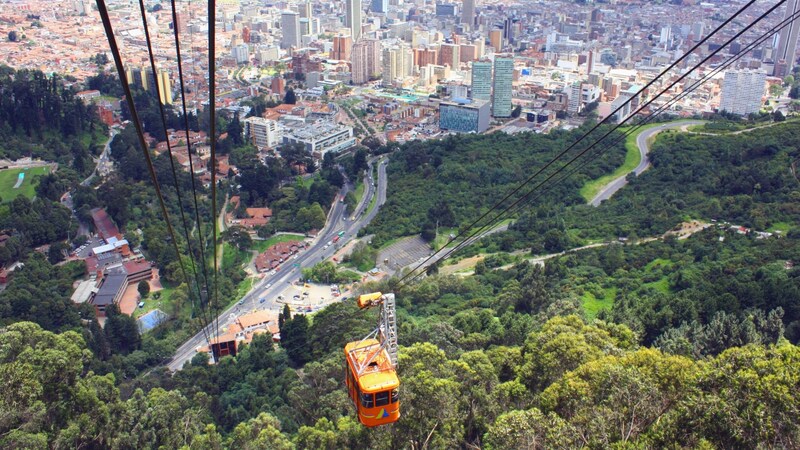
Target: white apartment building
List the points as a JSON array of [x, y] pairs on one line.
[[261, 132], [742, 91]]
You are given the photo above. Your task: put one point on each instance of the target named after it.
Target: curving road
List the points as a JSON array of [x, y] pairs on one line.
[[271, 285], [641, 142]]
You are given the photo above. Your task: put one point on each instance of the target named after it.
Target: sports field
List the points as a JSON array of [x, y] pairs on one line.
[[10, 177]]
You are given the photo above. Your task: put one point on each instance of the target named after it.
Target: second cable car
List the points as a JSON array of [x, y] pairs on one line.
[[371, 366]]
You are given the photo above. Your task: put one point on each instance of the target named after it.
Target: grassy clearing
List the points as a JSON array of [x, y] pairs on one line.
[[8, 178], [231, 255], [260, 246], [163, 302], [660, 285], [593, 305], [359, 192], [443, 236], [659, 263], [783, 227]]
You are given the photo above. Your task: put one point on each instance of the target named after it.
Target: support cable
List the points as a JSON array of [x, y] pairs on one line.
[[571, 161], [159, 94], [112, 42], [191, 164]]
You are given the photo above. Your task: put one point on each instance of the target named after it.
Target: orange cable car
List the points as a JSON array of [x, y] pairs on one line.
[[370, 368]]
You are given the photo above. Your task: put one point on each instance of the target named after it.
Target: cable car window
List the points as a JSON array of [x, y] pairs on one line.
[[395, 395], [367, 401], [382, 398]]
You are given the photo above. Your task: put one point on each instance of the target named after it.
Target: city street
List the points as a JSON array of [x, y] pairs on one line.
[[273, 285]]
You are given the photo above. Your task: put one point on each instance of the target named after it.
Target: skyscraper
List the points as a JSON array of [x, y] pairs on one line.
[[353, 18], [305, 10], [503, 76], [482, 80], [397, 63], [468, 14], [290, 27], [496, 40], [365, 62], [450, 55], [742, 91], [787, 43], [341, 47], [380, 6]]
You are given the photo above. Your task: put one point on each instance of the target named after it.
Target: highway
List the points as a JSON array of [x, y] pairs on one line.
[[273, 284], [641, 142]]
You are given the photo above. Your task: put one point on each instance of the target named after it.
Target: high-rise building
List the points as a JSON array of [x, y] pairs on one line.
[[240, 53], [787, 43], [290, 27], [341, 47], [397, 64], [464, 116], [353, 18], [496, 39], [425, 56], [380, 6], [482, 80], [467, 53], [165, 87], [305, 10], [305, 27], [449, 55], [742, 91], [446, 9], [261, 132], [365, 63], [468, 14], [501, 88]]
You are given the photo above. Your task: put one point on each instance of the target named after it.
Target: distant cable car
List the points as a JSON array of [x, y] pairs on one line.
[[371, 366]]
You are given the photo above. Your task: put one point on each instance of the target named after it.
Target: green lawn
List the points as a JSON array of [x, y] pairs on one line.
[[8, 178], [593, 305], [659, 262], [359, 192], [662, 285], [783, 227], [260, 246], [163, 302]]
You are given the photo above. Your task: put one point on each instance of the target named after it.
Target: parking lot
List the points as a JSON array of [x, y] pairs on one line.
[[84, 250], [402, 253]]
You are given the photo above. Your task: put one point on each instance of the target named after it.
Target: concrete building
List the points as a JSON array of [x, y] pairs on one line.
[[353, 18], [446, 9], [380, 6], [787, 42], [482, 80], [305, 10], [290, 27], [240, 53], [398, 63], [365, 62], [468, 14], [464, 116], [742, 91], [261, 132], [449, 55], [342, 45], [320, 138], [496, 40], [503, 77]]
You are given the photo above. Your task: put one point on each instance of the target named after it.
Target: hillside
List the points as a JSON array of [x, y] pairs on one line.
[[651, 344], [454, 180]]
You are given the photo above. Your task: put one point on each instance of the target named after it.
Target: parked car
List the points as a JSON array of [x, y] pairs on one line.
[[141, 304], [262, 300]]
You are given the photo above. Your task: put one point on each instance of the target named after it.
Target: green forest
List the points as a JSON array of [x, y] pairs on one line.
[[644, 342]]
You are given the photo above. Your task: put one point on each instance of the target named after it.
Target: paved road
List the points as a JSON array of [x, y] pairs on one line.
[[270, 286], [103, 161], [641, 142]]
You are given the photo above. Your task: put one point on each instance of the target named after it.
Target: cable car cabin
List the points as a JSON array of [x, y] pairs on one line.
[[374, 388]]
